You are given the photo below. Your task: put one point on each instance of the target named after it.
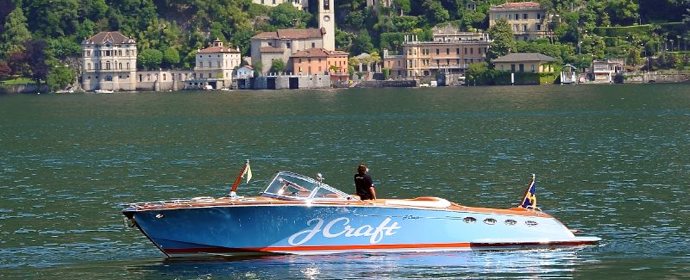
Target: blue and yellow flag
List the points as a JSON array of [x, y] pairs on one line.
[[530, 200]]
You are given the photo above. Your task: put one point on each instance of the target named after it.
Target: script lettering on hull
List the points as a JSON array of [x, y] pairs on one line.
[[340, 227]]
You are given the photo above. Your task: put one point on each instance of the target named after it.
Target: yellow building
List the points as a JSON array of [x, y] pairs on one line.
[[527, 19], [451, 52], [525, 62]]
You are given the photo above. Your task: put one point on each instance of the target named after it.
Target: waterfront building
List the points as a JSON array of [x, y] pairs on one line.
[[321, 61], [525, 62], [299, 4], [214, 66], [109, 62], [163, 80], [450, 52], [527, 19], [245, 72], [603, 71], [283, 43]]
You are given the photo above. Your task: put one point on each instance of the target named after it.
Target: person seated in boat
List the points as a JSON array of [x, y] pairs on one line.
[[364, 186]]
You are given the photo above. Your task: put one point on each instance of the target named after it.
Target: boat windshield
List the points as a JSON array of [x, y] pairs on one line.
[[293, 186]]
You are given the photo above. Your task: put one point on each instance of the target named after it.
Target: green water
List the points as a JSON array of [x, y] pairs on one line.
[[612, 161]]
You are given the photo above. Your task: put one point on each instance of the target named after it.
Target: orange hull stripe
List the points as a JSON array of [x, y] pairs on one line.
[[373, 247]]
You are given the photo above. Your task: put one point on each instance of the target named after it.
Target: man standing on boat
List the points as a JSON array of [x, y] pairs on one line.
[[364, 185]]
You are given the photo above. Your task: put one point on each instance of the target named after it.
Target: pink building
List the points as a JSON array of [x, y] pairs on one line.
[[321, 61]]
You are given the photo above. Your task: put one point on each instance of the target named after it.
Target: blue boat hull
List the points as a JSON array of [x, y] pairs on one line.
[[232, 230]]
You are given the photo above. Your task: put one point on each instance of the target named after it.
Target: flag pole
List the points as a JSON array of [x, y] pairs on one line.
[[238, 180]]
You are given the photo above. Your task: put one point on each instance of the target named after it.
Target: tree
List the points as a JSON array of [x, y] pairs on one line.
[[36, 59], [287, 16], [5, 70], [402, 5], [60, 77], [63, 47], [476, 71], [362, 43], [150, 59], [171, 57], [277, 66], [15, 34], [17, 61], [435, 13], [258, 68], [503, 40], [53, 18], [242, 39]]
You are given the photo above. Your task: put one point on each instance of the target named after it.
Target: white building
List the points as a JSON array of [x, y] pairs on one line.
[[214, 66], [109, 62], [299, 4]]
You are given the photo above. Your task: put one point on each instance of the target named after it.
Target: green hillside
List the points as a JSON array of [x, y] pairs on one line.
[[39, 35]]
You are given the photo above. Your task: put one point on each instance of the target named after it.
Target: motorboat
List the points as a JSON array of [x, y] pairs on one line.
[[104, 91], [297, 214]]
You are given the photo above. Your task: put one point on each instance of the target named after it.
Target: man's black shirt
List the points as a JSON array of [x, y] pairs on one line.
[[362, 183]]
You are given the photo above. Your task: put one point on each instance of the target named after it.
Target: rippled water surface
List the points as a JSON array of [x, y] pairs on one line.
[[612, 161]]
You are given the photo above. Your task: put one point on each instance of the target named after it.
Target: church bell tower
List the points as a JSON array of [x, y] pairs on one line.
[[327, 23]]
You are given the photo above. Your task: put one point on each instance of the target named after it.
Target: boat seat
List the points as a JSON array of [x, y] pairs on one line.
[[424, 201]]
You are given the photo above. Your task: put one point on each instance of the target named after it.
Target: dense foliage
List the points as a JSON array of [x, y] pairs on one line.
[[169, 32]]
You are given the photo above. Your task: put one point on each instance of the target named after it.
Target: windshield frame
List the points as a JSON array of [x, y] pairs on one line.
[[288, 185]]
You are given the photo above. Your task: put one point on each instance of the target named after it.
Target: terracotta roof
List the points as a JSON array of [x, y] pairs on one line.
[[318, 52], [271, 50], [520, 57], [314, 52], [517, 6], [113, 37], [291, 34]]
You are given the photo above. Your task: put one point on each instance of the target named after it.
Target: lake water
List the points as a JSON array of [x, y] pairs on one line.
[[611, 161]]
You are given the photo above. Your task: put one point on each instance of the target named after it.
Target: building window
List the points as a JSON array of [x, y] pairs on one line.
[[313, 45], [287, 45], [327, 5], [524, 16], [164, 77], [457, 51], [107, 65], [447, 51], [88, 66], [538, 27], [522, 67], [538, 16], [517, 16], [120, 66], [437, 51], [127, 65]]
